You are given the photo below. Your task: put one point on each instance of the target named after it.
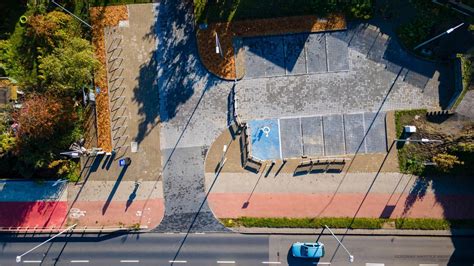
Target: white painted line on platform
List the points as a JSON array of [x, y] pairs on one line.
[[429, 264], [322, 263], [374, 264], [79, 261], [129, 261], [178, 261], [32, 261], [226, 261], [271, 262], [200, 233]]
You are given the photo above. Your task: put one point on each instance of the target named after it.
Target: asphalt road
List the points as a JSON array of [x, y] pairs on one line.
[[229, 249]]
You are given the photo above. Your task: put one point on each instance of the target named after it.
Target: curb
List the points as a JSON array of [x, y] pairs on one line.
[[85, 230], [355, 232]]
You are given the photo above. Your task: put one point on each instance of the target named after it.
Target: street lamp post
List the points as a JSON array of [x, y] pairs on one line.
[[87, 24], [436, 37], [218, 46], [18, 258], [351, 257], [423, 140]]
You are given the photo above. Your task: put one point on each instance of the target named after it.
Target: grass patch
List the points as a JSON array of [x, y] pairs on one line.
[[405, 117], [343, 222], [410, 160], [433, 224], [346, 222], [230, 10]]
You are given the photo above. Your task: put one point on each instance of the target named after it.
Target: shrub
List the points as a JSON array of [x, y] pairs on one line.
[[445, 162], [416, 31]]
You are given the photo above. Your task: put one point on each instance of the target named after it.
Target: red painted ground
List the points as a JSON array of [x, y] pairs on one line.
[[97, 213], [233, 205], [46, 214], [31, 214]]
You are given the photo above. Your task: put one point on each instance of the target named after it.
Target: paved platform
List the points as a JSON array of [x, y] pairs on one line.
[[329, 135], [295, 54], [358, 70]]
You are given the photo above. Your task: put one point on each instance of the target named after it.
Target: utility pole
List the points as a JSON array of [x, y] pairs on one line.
[[18, 258]]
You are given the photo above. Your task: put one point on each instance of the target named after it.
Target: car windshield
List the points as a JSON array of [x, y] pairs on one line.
[[304, 251]]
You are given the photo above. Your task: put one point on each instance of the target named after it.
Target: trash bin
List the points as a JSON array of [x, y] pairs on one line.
[[125, 162]]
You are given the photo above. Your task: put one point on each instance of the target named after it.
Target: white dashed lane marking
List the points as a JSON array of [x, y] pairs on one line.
[[79, 261], [271, 262], [129, 261], [226, 261], [374, 264], [32, 261], [178, 261]]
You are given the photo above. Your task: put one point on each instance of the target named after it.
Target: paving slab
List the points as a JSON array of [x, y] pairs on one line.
[[363, 39], [337, 52], [295, 54], [274, 56], [316, 53], [254, 58], [312, 131], [354, 133], [265, 139], [416, 79], [377, 51], [333, 135], [376, 140], [291, 141]]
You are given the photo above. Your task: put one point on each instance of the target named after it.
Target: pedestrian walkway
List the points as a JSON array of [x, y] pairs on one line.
[[383, 195], [94, 204], [116, 204], [32, 204]]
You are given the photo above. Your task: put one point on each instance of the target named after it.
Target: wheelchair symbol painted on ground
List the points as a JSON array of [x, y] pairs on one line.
[[76, 213], [265, 130]]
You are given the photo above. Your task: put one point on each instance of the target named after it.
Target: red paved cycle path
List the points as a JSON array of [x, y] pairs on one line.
[[233, 205]]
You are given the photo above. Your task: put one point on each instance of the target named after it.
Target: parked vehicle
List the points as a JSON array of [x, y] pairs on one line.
[[308, 250]]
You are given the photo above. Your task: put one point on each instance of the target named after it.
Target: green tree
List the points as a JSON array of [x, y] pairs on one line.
[[52, 29], [68, 68]]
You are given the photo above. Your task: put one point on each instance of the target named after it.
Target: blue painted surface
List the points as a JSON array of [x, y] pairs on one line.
[[27, 191], [263, 147]]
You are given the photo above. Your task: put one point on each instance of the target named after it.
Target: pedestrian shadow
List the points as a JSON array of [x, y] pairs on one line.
[[132, 196]]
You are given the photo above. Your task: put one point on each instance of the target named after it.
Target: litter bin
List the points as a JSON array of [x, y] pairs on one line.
[[125, 162]]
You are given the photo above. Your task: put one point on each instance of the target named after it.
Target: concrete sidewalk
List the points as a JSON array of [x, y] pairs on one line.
[[383, 195], [116, 204]]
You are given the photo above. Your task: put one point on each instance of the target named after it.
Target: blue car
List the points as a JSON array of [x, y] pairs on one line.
[[308, 250]]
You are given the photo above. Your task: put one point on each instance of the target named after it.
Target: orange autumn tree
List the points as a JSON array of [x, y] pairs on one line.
[[40, 116], [43, 128]]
